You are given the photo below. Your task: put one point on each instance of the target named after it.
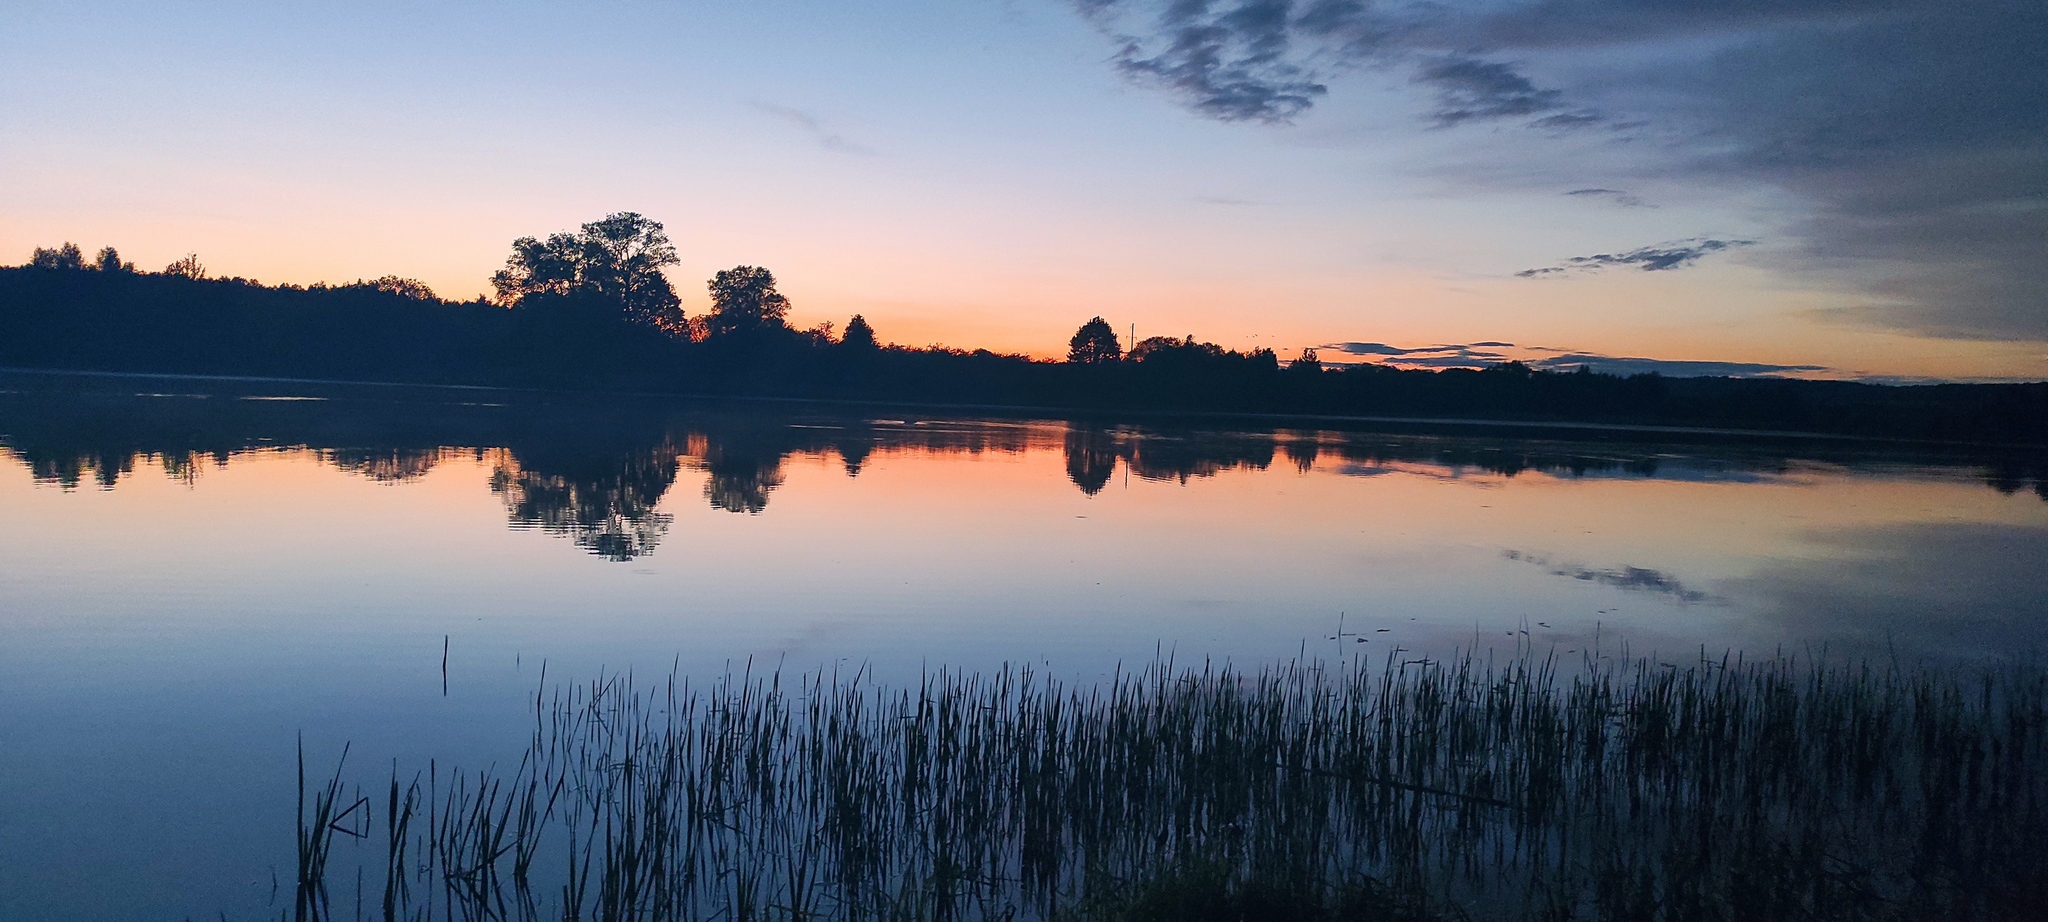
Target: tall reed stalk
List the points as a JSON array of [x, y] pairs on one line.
[[1717, 790]]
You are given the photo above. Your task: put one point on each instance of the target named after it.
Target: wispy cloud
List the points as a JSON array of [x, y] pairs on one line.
[[1613, 196], [1548, 358], [1469, 89], [1480, 351], [1659, 258], [1637, 579], [1232, 64], [1674, 368], [814, 127]]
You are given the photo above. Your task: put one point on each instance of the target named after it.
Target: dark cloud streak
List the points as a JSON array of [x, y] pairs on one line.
[[814, 127], [1469, 89], [1487, 354], [1660, 258], [1616, 196]]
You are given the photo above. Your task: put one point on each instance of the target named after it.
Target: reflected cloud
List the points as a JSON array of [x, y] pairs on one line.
[[1633, 579], [1961, 590]]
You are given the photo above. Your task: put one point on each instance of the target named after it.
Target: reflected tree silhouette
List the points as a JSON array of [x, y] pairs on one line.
[[604, 504], [742, 474], [385, 465], [69, 469], [1302, 450], [1181, 456], [1091, 458], [854, 450]]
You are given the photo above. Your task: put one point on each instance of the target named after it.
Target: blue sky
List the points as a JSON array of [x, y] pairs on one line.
[[1827, 187]]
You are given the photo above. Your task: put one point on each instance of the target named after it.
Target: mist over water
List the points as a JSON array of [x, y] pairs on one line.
[[194, 572]]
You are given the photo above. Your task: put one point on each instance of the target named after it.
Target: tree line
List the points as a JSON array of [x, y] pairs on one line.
[[594, 309]]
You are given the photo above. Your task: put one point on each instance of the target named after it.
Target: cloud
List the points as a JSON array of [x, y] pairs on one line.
[[815, 128], [1906, 140], [1487, 354], [1918, 141], [1615, 196], [1672, 368], [1231, 64], [1941, 589], [1659, 258], [1637, 579], [1449, 356], [1367, 348], [1268, 60], [1469, 89]]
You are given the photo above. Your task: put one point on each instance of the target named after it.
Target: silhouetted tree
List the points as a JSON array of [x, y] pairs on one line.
[[1093, 343], [109, 260], [617, 259], [187, 267], [744, 300], [1309, 363], [1156, 348], [858, 334], [67, 256], [412, 289]]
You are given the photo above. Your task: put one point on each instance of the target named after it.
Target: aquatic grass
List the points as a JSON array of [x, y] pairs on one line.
[[319, 823], [1413, 789]]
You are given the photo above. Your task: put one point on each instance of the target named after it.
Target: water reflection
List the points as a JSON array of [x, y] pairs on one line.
[[603, 502], [384, 465], [596, 471]]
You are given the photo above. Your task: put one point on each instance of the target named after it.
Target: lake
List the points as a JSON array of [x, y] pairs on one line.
[[194, 573]]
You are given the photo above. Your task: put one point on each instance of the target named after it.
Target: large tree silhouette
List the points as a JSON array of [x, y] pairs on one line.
[[1095, 342], [617, 260], [858, 334], [744, 300]]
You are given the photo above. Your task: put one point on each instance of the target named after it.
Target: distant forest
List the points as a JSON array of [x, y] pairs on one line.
[[591, 310]]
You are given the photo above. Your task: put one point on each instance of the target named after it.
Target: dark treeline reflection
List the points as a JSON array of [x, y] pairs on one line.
[[596, 471]]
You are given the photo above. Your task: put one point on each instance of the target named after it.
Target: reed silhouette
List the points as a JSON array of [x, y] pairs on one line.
[[1462, 789]]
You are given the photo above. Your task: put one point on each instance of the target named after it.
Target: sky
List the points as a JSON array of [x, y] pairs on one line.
[[1819, 188]]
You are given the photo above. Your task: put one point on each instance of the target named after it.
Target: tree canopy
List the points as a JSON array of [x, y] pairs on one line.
[[67, 256], [187, 266], [617, 259], [1093, 343], [744, 300], [109, 260], [410, 289], [858, 334]]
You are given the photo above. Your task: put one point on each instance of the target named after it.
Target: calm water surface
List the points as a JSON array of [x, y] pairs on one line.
[[193, 573]]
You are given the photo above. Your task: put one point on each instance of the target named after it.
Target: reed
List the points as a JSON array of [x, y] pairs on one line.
[[1408, 790]]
